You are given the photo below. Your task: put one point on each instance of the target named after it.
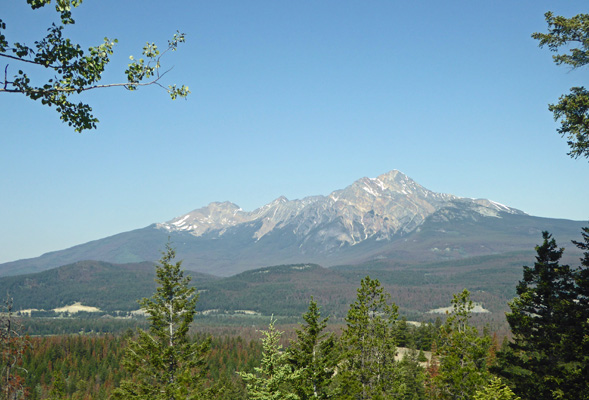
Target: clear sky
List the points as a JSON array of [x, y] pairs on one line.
[[292, 98]]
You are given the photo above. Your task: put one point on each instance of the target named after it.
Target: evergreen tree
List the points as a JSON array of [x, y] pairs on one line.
[[462, 354], [164, 362], [582, 305], [403, 336], [572, 109], [57, 391], [412, 376], [314, 353], [495, 390], [368, 368], [274, 378], [543, 361]]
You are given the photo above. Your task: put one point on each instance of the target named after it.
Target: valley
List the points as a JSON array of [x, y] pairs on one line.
[[423, 246]]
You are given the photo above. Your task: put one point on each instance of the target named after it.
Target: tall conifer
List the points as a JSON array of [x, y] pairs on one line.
[[274, 378], [368, 367], [314, 354], [582, 305], [542, 361], [463, 354], [164, 362]]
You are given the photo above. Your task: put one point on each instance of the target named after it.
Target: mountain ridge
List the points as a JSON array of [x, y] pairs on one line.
[[383, 206], [388, 217]]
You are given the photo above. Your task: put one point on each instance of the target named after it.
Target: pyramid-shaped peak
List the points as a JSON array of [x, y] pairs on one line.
[[395, 181], [224, 205], [396, 176]]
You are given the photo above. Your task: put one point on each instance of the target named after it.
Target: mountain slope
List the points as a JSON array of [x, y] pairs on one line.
[[105, 285], [380, 208], [388, 217]]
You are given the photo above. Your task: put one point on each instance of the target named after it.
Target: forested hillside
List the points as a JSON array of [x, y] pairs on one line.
[[280, 290], [373, 353]]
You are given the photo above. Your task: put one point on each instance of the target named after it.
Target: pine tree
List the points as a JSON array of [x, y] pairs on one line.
[[542, 362], [274, 378], [412, 376], [57, 391], [368, 367], [462, 354], [164, 362], [314, 353], [495, 390], [582, 314]]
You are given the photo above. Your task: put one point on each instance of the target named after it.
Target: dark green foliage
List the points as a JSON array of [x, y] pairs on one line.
[[314, 353], [402, 334], [462, 354], [368, 367], [74, 70], [76, 366], [164, 362], [582, 306], [573, 108], [75, 325], [90, 365], [110, 287], [57, 391], [546, 359], [423, 336], [412, 376]]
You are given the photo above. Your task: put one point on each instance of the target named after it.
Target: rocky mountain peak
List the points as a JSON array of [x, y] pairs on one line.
[[380, 208]]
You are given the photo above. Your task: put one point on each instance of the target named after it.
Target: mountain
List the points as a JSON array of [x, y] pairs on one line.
[[282, 290], [380, 208], [390, 217], [108, 286]]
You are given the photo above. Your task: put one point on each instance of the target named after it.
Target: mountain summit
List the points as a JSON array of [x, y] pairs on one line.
[[380, 208], [390, 217]]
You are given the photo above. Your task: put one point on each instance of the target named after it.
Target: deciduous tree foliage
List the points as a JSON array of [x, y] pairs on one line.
[[164, 362], [572, 109], [546, 359], [75, 70]]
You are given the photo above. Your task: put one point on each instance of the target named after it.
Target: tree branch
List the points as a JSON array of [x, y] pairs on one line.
[[84, 89], [26, 61]]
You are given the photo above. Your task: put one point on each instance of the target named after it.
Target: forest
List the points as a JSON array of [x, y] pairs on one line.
[[372, 354]]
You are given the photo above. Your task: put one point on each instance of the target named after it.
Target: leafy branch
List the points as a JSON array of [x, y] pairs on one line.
[[77, 71]]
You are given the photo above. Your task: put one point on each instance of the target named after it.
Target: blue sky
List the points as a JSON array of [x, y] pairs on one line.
[[292, 98]]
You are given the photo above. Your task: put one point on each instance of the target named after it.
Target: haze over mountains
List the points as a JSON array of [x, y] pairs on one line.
[[389, 218]]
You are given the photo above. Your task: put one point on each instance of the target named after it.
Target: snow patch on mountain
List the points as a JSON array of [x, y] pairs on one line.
[[381, 208]]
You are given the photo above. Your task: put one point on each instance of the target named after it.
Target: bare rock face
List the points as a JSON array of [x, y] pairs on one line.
[[390, 217], [380, 208]]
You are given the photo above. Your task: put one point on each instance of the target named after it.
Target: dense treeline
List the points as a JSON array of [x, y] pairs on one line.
[[89, 366], [78, 366], [279, 290], [373, 354]]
